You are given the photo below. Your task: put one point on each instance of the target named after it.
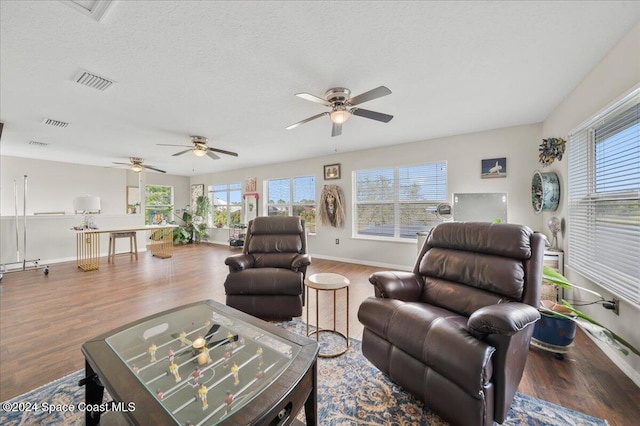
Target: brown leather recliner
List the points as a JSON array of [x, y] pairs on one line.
[[267, 279], [455, 332]]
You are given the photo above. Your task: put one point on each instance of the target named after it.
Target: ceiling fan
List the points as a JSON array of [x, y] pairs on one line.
[[135, 164], [200, 148], [343, 105]]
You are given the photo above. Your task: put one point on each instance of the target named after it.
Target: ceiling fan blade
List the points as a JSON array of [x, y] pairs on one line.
[[212, 155], [124, 164], [182, 152], [168, 144], [378, 92], [222, 151], [293, 126], [378, 116], [152, 168], [336, 129], [313, 98]]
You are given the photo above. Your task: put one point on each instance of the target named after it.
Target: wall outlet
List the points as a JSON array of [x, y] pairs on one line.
[[337, 240]]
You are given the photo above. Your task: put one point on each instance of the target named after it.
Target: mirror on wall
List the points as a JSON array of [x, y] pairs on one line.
[[480, 207], [133, 200]]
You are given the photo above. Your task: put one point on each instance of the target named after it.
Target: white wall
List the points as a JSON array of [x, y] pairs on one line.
[[615, 75], [463, 154], [51, 187]]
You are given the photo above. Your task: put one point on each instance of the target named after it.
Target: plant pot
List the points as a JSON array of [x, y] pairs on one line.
[[553, 333]]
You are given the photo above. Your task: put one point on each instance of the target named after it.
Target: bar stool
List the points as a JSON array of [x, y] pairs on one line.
[[133, 244]]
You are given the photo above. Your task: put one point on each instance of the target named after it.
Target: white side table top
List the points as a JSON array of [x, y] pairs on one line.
[[327, 281]]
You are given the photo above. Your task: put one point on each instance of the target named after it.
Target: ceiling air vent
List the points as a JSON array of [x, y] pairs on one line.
[[36, 143], [92, 80], [54, 123]]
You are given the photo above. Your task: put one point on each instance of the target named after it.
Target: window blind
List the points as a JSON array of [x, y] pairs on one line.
[[398, 202], [604, 199]]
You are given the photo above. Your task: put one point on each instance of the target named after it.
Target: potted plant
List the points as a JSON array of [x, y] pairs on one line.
[[567, 316]]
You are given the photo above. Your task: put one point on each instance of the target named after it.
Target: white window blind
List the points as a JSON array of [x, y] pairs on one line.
[[604, 199], [398, 202]]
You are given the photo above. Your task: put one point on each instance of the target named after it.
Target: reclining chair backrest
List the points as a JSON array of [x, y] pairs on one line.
[[471, 265], [275, 241]]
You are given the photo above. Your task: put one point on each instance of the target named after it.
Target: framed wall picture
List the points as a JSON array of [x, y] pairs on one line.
[[196, 191], [332, 171], [494, 168]]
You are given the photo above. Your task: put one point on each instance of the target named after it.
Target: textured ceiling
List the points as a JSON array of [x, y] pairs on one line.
[[229, 71]]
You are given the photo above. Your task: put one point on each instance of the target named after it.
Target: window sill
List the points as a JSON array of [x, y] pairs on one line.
[[385, 240]]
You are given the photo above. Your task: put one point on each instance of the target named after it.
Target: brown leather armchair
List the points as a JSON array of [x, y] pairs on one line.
[[267, 279], [455, 332]]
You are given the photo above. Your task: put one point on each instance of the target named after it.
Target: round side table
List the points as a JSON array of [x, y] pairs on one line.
[[328, 282]]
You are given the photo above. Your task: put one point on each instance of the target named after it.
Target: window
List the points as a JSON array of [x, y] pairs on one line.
[[293, 197], [604, 199], [158, 204], [398, 202], [226, 201]]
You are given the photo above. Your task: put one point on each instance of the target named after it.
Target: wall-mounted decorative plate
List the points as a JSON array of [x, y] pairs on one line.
[[545, 191]]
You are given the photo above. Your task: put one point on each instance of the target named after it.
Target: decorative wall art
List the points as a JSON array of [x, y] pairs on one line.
[[332, 210], [250, 185], [551, 149], [332, 171], [545, 191], [494, 168]]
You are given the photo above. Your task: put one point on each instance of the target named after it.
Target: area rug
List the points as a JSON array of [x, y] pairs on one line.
[[351, 391]]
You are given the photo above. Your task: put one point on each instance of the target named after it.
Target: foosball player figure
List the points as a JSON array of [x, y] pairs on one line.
[[259, 374], [225, 361], [171, 355], [183, 339], [202, 394], [135, 369], [173, 369], [234, 371], [260, 358], [196, 375], [152, 351], [227, 401], [232, 340], [160, 394]]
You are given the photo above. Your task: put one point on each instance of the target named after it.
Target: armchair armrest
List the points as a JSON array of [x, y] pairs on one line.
[[239, 262], [405, 286], [300, 261], [505, 319]]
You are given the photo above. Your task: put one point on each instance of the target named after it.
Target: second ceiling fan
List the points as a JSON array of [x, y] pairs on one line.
[[343, 105], [200, 148]]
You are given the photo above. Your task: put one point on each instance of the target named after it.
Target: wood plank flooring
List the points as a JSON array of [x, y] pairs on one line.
[[44, 320]]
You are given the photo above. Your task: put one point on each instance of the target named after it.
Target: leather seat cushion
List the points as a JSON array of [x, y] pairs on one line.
[[434, 336], [268, 281]]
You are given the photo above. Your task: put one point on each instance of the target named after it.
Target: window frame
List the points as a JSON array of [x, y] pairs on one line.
[[167, 209], [291, 204], [595, 214], [228, 189], [397, 203]]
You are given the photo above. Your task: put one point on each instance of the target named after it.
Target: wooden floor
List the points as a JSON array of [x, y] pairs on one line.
[[45, 319]]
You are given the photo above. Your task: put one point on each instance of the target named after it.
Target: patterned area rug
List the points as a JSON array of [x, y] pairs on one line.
[[351, 391]]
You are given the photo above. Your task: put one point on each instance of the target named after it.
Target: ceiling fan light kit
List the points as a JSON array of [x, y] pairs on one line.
[[342, 106], [135, 165], [200, 148]]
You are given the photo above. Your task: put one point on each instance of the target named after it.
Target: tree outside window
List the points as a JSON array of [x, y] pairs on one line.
[[158, 204], [226, 201], [293, 197]]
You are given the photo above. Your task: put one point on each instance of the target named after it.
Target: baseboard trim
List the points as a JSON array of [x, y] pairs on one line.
[[44, 262], [392, 266], [618, 360]]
